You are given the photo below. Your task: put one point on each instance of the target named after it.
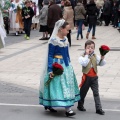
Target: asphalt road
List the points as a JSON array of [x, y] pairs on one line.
[[21, 103]]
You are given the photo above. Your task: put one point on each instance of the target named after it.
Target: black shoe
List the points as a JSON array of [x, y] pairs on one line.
[[50, 109], [81, 108], [101, 112], [70, 113], [43, 39]]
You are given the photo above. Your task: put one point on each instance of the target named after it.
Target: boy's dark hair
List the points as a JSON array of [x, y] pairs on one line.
[[89, 42]]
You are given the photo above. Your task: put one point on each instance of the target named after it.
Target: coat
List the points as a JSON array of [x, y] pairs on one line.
[[54, 14], [44, 15], [92, 13], [107, 8], [68, 16], [79, 11]]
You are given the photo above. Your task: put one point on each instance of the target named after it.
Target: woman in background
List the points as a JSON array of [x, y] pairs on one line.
[[43, 20], [68, 16]]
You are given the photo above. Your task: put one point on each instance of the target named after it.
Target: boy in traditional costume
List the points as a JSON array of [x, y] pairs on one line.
[[89, 61]]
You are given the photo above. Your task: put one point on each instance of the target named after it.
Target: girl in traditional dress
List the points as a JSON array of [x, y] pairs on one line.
[[16, 17], [63, 89]]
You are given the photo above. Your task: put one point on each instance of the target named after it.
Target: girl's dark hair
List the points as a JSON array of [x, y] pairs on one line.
[[64, 25], [89, 42]]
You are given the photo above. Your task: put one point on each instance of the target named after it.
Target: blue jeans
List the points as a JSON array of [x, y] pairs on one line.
[[93, 30], [79, 24]]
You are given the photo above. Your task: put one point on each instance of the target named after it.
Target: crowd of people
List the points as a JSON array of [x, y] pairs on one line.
[[16, 13]]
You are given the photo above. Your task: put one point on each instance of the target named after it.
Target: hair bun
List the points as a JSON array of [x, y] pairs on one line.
[[67, 3]]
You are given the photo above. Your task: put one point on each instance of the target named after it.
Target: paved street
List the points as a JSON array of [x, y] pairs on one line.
[[21, 65]]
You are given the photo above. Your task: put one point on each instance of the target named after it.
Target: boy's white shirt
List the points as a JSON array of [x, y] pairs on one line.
[[85, 60]]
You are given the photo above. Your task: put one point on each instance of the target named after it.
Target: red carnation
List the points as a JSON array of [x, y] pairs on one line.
[[56, 65], [57, 70], [104, 49]]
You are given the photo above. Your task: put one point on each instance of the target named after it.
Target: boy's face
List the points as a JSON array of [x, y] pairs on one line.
[[90, 48]]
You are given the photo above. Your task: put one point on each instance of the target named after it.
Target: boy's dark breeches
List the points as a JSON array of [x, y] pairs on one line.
[[93, 83]]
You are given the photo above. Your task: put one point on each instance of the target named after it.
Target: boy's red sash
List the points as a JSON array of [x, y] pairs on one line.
[[91, 73]]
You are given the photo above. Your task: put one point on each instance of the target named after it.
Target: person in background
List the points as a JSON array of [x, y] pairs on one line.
[[62, 5], [27, 14], [43, 20], [5, 6], [80, 12], [35, 19], [2, 30], [115, 15], [16, 23], [54, 14], [92, 12], [107, 12], [118, 12], [68, 16]]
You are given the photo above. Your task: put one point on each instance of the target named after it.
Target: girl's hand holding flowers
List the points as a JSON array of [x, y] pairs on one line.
[[57, 70], [51, 75]]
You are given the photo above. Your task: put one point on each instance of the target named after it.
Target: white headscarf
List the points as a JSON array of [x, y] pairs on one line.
[[58, 25]]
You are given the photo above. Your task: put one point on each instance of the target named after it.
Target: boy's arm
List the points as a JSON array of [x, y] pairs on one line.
[[84, 60], [103, 62]]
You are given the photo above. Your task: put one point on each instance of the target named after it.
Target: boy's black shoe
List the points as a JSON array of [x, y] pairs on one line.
[[81, 108], [101, 112]]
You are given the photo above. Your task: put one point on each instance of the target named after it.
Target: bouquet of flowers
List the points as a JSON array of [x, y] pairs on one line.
[[57, 70], [103, 50]]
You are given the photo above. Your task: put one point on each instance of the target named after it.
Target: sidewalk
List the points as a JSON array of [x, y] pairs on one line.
[[21, 63]]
